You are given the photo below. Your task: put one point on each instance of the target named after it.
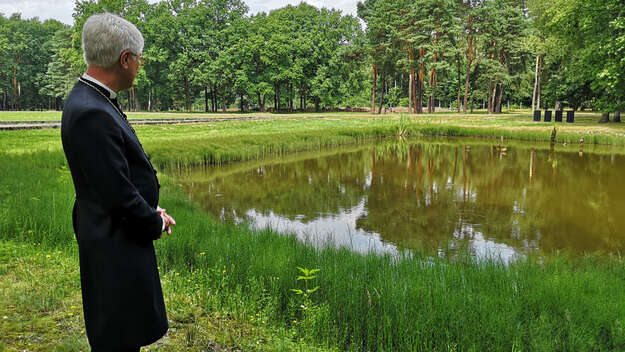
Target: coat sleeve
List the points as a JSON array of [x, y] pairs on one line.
[[99, 143]]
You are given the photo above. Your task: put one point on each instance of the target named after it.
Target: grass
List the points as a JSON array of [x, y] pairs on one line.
[[223, 142], [229, 287], [41, 309]]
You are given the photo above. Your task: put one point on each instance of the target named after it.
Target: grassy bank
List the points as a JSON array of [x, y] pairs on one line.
[[228, 286], [223, 142]]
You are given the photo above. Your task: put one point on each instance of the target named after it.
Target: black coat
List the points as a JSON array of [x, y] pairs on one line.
[[115, 222]]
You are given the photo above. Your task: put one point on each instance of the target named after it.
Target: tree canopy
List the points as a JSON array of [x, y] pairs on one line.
[[214, 55]]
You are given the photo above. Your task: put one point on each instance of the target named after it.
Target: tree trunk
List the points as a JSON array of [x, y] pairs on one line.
[[305, 98], [206, 98], [382, 95], [375, 78], [459, 86], [131, 99], [135, 99], [14, 98], [431, 107], [605, 117], [537, 75], [539, 88], [421, 81], [241, 103], [490, 96], [290, 97], [469, 62], [414, 92], [410, 86], [498, 97], [137, 106], [214, 98], [279, 97], [187, 93], [275, 97]]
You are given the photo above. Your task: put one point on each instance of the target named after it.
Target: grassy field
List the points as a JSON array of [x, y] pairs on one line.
[[228, 287], [17, 116]]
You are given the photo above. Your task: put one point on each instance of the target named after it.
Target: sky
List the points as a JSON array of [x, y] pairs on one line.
[[62, 9]]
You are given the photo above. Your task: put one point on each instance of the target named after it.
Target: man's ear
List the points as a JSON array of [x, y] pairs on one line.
[[124, 58]]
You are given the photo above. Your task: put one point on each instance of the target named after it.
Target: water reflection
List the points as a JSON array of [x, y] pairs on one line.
[[335, 229], [497, 201]]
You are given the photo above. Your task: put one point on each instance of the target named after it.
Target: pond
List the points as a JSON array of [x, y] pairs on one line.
[[437, 195]]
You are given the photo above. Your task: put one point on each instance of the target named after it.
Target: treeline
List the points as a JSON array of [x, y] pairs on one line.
[[211, 55]]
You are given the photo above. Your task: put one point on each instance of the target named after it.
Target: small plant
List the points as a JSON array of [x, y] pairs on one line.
[[403, 125], [307, 275]]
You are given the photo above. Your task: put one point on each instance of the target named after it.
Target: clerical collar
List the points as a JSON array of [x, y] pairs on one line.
[[112, 94]]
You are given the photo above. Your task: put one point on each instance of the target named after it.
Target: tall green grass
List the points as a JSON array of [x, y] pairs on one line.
[[365, 302]]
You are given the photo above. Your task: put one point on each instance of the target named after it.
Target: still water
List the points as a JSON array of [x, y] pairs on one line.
[[437, 195]]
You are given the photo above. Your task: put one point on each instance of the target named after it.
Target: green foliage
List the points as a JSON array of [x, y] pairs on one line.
[[25, 50], [584, 43], [212, 55], [307, 275]]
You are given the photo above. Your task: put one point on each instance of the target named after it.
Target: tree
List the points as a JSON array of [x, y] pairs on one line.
[[586, 66], [59, 78]]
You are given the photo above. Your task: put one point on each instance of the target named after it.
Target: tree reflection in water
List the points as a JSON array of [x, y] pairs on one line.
[[439, 196]]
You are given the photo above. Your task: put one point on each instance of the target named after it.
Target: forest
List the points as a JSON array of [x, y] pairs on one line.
[[423, 55]]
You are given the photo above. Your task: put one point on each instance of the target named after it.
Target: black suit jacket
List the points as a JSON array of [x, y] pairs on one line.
[[115, 222]]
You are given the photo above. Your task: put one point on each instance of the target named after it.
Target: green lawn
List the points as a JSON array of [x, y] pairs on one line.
[[56, 115]]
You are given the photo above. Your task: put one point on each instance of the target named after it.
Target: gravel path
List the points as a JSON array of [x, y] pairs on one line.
[[29, 125]]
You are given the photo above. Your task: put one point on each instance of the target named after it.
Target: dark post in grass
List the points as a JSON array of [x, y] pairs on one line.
[[570, 116], [536, 115], [617, 116], [547, 116], [558, 115], [605, 117]]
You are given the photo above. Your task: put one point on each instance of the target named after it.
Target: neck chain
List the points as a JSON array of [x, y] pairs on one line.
[[102, 94]]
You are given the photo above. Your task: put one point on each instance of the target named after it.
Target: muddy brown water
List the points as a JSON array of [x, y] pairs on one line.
[[438, 195]]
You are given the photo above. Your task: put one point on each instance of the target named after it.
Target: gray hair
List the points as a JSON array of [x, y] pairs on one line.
[[105, 36]]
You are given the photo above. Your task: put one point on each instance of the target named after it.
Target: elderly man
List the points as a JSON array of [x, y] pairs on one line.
[[116, 215]]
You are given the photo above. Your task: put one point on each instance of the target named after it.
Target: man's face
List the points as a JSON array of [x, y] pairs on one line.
[[130, 63]]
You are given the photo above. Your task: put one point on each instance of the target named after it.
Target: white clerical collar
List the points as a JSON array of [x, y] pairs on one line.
[[111, 92]]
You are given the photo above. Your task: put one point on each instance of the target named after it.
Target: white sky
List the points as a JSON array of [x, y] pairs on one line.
[[62, 9]]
